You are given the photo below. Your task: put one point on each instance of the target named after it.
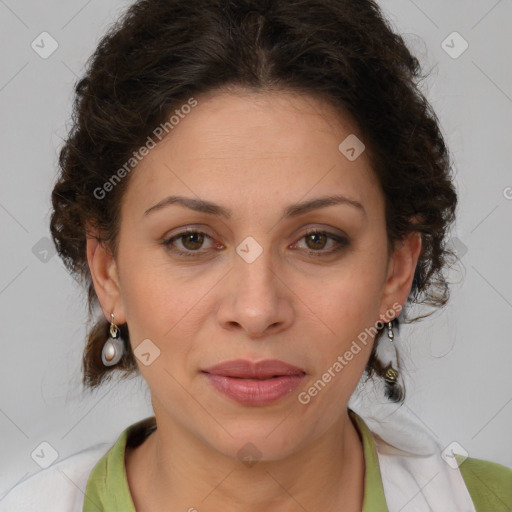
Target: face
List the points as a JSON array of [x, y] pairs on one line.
[[249, 280]]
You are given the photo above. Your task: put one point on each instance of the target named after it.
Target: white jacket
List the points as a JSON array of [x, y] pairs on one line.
[[58, 488]]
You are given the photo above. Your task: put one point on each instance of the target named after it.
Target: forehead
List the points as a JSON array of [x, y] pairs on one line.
[[254, 147], [252, 124]]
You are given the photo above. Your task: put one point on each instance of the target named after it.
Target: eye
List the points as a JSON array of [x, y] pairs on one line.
[[317, 239], [190, 239]]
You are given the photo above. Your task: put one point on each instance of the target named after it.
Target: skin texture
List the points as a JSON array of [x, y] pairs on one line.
[[254, 153]]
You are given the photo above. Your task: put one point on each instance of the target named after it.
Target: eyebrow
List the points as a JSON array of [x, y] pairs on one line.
[[293, 210]]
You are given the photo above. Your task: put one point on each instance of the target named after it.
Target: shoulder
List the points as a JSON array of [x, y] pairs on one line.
[[57, 488], [489, 484]]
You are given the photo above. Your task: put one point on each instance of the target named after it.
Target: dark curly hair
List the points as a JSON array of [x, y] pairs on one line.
[[161, 52]]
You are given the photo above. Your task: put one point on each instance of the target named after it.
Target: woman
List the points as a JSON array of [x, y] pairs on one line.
[[254, 193]]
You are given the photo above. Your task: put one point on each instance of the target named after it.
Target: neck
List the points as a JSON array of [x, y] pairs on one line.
[[174, 469]]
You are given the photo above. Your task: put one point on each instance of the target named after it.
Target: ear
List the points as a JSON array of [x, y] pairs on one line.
[[401, 268], [104, 273]]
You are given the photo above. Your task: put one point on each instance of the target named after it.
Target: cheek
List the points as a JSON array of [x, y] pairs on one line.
[[346, 312], [156, 293], [168, 308], [351, 301], [159, 306], [354, 305]]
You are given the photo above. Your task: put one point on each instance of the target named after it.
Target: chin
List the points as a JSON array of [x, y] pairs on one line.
[[252, 440]]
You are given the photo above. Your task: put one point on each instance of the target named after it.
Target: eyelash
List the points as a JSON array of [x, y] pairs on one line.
[[341, 241]]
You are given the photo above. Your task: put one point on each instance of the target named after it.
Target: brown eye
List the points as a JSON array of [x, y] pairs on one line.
[[316, 242], [191, 241]]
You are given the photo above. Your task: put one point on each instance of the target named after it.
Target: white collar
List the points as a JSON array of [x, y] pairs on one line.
[[415, 477]]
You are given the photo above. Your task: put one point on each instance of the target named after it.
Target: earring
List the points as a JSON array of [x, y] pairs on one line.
[[113, 349], [390, 374]]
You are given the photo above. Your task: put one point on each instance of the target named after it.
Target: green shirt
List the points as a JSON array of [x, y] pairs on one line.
[[489, 484]]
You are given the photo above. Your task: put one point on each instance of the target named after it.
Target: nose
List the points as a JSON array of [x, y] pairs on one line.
[[256, 299]]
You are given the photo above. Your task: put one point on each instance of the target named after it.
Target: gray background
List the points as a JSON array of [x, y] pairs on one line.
[[459, 361]]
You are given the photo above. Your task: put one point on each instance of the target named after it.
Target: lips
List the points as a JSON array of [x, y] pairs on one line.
[[244, 369], [255, 384]]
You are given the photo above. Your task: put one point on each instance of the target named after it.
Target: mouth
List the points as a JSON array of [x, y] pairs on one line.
[[249, 370], [254, 384]]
